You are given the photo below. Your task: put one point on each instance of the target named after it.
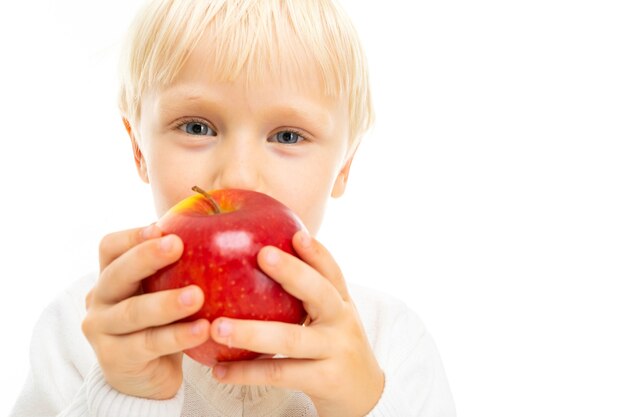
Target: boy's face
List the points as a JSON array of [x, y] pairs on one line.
[[286, 142]]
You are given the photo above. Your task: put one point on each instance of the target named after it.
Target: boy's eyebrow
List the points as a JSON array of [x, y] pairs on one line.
[[312, 115], [307, 111]]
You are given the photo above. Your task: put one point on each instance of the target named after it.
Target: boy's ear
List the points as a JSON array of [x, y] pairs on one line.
[[342, 178], [140, 162]]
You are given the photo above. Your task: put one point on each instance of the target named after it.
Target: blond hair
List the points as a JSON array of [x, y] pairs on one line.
[[251, 38]]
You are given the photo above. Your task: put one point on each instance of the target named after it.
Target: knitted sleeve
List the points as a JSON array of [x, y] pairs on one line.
[[65, 380]]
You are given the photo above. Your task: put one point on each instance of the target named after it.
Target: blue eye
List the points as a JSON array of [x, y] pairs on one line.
[[197, 128], [287, 137]]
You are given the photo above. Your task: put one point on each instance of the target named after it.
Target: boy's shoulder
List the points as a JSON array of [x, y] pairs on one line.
[[386, 317], [81, 286], [72, 296], [57, 333], [372, 300]]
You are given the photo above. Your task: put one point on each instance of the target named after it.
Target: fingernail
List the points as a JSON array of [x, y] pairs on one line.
[[167, 242], [198, 328], [305, 239], [188, 297], [271, 256], [219, 371], [150, 232], [224, 328]]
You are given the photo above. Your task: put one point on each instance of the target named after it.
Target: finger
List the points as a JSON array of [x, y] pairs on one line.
[[270, 337], [151, 310], [153, 343], [115, 244], [122, 278], [88, 299], [283, 372], [315, 254], [319, 297]]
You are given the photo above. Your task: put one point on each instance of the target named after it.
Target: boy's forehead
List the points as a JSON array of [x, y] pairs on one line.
[[203, 78]]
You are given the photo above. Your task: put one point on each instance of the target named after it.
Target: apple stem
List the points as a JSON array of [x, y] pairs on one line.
[[214, 206]]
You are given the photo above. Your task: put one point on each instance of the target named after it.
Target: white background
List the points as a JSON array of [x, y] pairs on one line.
[[490, 196]]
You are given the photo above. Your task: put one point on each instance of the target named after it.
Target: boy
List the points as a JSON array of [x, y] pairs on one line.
[[269, 95]]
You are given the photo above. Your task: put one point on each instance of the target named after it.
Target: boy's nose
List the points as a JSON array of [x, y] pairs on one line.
[[239, 167]]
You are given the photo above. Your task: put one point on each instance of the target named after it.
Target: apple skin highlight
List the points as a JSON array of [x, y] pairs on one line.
[[220, 256]]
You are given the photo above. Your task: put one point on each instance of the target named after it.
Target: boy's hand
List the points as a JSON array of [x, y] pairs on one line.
[[329, 359], [137, 346]]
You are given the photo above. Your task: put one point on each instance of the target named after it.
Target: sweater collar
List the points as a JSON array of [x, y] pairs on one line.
[[230, 400]]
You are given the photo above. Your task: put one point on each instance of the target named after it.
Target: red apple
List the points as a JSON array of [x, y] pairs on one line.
[[222, 232]]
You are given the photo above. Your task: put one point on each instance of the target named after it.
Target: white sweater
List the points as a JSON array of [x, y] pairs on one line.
[[65, 379]]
